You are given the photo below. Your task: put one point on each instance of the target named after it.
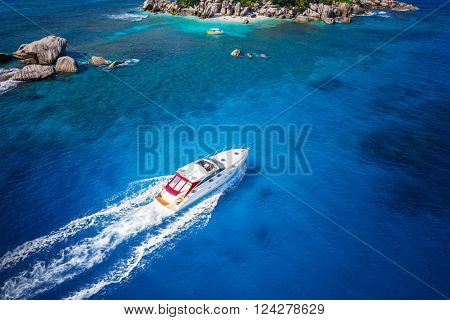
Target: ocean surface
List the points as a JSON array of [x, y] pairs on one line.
[[371, 220]]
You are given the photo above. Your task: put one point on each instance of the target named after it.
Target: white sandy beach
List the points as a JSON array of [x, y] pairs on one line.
[[236, 19]]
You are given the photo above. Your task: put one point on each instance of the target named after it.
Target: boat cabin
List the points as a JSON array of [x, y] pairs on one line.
[[192, 175]]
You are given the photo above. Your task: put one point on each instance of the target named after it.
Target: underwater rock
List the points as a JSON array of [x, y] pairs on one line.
[[33, 72], [66, 64], [44, 51]]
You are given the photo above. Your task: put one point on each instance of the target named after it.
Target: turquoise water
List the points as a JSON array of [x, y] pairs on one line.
[[378, 151]]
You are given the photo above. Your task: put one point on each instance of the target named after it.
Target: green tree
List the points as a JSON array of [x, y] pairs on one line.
[[300, 5], [187, 3]]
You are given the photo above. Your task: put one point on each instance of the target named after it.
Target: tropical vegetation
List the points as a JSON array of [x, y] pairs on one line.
[[298, 4]]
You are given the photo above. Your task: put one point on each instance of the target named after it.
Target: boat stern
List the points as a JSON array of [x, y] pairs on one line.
[[166, 204]]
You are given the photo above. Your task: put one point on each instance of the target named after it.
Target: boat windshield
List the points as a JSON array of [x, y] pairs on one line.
[[208, 166], [178, 184]]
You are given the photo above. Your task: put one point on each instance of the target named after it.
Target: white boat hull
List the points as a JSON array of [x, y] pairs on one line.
[[232, 162]]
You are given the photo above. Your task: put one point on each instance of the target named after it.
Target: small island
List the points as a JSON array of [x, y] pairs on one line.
[[45, 57], [329, 11]]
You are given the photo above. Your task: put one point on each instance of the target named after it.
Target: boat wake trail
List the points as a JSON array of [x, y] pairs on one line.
[[11, 258], [200, 212], [131, 217]]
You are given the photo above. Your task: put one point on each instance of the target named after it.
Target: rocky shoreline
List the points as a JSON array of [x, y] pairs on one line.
[[44, 58], [329, 13], [39, 57]]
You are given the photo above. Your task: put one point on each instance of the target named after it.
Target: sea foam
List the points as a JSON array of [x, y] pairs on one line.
[[128, 17], [8, 85], [383, 14], [131, 217], [200, 213], [134, 200]]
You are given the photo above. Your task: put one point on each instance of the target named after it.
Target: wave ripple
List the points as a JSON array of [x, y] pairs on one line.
[[122, 221]]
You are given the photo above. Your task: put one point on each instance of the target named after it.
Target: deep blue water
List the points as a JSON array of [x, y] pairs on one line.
[[379, 152]]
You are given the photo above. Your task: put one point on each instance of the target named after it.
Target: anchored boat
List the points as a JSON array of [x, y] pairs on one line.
[[214, 31], [199, 178]]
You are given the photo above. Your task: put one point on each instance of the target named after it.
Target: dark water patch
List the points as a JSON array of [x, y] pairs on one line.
[[426, 32], [205, 108], [414, 151], [63, 76], [422, 154], [326, 83], [415, 196], [265, 194], [13, 63], [412, 93], [412, 103], [395, 90], [254, 168], [18, 95], [261, 234], [78, 54], [46, 111], [234, 254], [34, 96], [399, 109]]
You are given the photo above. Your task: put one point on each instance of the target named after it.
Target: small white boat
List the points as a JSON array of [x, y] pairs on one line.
[[214, 31], [199, 178]]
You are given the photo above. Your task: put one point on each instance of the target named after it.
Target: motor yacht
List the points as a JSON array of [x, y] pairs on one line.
[[214, 31], [199, 178]]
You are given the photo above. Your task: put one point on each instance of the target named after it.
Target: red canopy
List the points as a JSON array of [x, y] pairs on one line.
[[177, 183]]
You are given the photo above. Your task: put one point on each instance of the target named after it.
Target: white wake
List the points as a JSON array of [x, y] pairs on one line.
[[127, 219], [199, 212], [20, 253]]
